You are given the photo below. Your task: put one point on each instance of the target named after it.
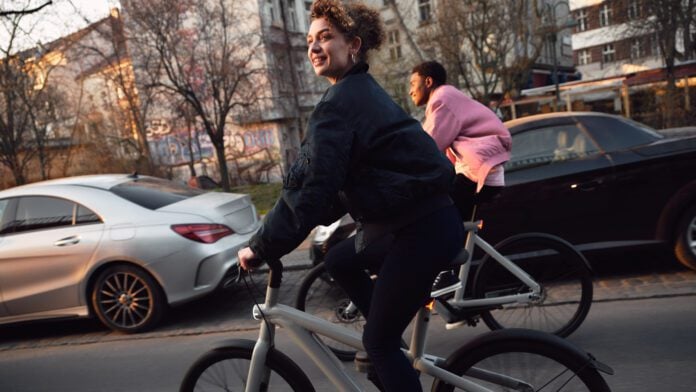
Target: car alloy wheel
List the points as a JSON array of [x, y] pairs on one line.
[[685, 246], [127, 299]]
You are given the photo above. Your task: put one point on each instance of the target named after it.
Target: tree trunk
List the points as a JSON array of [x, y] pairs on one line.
[[222, 164], [16, 169]]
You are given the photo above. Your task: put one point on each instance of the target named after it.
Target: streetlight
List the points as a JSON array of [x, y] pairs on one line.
[[552, 37]]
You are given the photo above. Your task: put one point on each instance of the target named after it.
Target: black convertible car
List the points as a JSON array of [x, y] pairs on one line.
[[599, 181]]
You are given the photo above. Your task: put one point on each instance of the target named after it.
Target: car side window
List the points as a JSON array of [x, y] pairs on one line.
[[4, 215], [615, 134], [84, 215], [541, 146], [38, 212]]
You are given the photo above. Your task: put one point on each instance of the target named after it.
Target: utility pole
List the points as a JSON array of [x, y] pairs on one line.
[[293, 137]]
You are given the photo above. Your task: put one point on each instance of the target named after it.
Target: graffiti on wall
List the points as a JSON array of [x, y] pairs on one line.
[[170, 147]]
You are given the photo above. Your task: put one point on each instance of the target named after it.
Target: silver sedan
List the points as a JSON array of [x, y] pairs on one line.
[[120, 247]]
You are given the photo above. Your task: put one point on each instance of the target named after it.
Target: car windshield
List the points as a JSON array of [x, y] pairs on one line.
[[154, 193]]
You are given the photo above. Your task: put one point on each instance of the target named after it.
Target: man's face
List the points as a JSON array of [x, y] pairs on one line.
[[420, 87]]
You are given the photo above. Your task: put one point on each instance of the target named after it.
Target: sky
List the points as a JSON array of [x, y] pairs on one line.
[[59, 19]]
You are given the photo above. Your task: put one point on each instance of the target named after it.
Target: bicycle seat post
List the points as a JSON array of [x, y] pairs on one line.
[[471, 229]]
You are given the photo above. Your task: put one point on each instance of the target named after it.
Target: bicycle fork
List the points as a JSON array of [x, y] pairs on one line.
[[259, 373]]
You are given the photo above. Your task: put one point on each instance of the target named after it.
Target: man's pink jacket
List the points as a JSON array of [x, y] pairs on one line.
[[469, 133]]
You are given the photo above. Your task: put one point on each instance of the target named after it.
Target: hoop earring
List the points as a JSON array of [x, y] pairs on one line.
[[352, 57]]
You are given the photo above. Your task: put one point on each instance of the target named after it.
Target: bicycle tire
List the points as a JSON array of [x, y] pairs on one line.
[[563, 273], [539, 361], [226, 369], [321, 296]]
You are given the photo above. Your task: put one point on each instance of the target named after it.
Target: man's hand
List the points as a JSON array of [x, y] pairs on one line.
[[245, 256]]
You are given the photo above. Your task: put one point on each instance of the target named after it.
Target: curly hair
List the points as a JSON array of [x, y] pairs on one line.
[[353, 19]]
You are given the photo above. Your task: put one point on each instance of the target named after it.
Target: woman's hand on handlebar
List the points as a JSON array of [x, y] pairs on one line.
[[247, 258]]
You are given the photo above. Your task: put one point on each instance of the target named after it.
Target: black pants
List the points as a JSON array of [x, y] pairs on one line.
[[465, 196], [406, 264]]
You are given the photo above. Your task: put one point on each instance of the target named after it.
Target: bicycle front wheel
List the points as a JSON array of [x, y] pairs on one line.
[[562, 272], [321, 296], [226, 369]]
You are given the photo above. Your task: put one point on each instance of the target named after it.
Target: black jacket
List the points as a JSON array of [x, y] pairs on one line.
[[362, 154]]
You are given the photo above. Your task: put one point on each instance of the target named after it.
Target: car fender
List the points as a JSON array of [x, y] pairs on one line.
[[673, 211], [97, 268]]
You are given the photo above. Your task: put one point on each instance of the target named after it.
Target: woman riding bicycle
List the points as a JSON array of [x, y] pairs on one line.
[[365, 155]]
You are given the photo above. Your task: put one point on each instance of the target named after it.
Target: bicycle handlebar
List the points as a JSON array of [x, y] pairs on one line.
[[275, 270]]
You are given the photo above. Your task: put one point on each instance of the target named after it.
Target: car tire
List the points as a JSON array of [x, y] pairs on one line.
[[127, 299], [685, 244]]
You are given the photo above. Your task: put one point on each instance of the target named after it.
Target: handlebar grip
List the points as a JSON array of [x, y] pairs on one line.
[[255, 263]]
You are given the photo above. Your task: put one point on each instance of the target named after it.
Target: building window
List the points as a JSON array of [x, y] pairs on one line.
[[308, 9], [608, 53], [394, 45], [271, 11], [605, 15], [637, 49], [633, 10], [655, 44], [582, 20], [424, 10], [584, 57]]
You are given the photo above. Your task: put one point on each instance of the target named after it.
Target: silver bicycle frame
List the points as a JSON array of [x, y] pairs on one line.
[[472, 241], [303, 329]]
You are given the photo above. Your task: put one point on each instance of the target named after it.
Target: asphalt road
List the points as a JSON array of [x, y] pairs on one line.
[[648, 342], [642, 323]]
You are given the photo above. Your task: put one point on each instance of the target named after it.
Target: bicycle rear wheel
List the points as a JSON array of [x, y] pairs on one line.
[[226, 369], [562, 272], [321, 296], [524, 360]]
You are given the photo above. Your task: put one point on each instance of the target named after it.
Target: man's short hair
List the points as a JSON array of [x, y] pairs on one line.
[[433, 69]]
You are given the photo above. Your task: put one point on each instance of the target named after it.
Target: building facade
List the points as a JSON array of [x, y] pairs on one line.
[[90, 126], [606, 42], [540, 49]]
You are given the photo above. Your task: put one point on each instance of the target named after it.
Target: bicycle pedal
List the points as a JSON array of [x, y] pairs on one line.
[[456, 325]]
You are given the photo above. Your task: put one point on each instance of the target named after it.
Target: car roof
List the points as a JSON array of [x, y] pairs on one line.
[[102, 181], [548, 116]]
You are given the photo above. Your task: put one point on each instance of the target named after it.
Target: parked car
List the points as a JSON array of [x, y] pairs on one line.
[[599, 181], [122, 248]]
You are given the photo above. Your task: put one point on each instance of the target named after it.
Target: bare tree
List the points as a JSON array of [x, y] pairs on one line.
[[109, 45], [25, 11], [671, 24], [490, 45], [206, 52], [27, 105]]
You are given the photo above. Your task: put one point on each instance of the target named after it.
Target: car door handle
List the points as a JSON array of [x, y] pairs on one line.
[[589, 185], [72, 240]]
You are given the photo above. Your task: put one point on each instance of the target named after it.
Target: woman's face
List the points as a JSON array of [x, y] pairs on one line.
[[329, 51]]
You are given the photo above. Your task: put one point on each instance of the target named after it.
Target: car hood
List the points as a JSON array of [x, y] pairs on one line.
[[237, 209], [668, 146]]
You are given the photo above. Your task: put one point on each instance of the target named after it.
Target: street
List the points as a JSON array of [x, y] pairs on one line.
[[646, 337], [649, 343]]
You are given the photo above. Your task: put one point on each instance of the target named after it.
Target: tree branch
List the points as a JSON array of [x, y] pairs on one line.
[[26, 12]]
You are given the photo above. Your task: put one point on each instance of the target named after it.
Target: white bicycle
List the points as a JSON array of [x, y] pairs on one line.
[[504, 360], [531, 280]]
